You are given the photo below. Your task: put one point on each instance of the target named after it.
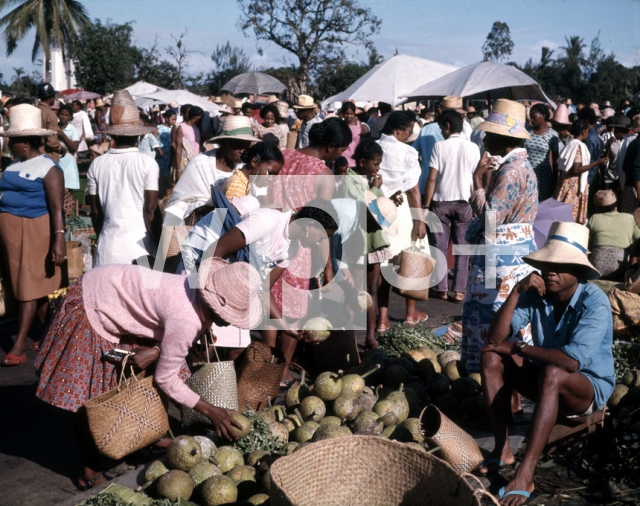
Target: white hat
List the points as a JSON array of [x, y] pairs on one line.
[[26, 121], [384, 211], [566, 244], [236, 127], [305, 102]]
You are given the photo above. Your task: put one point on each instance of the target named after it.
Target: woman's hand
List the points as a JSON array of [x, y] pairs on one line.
[[221, 419], [144, 356], [534, 281], [419, 229], [483, 165], [59, 250]]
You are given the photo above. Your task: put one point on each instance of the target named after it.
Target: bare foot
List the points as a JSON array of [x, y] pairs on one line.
[[505, 456], [370, 342], [517, 483]]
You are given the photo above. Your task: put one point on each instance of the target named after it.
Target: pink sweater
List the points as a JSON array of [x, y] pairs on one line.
[[125, 300]]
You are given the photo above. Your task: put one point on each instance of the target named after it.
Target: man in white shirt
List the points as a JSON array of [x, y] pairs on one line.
[[306, 111], [83, 124], [447, 194]]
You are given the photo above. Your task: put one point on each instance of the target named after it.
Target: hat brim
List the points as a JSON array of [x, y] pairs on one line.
[[40, 132], [392, 229], [129, 130], [553, 122], [489, 126], [555, 252], [457, 109], [312, 106], [240, 137]]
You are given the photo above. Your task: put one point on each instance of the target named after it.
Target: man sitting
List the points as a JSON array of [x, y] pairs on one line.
[[569, 368]]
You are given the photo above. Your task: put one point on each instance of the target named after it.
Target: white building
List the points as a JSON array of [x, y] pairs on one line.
[[61, 74]]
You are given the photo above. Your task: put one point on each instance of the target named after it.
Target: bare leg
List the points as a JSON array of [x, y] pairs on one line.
[[373, 280], [383, 301], [26, 314], [88, 453], [287, 346]]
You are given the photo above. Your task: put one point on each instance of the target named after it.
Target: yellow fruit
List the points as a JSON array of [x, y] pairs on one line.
[[618, 393]]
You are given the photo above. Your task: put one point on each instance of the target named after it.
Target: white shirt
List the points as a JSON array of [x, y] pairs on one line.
[[303, 135], [83, 125], [467, 130], [119, 178], [400, 167], [454, 159]]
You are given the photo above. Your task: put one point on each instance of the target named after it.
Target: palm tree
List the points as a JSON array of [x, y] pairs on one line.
[[56, 22], [574, 55], [17, 79]]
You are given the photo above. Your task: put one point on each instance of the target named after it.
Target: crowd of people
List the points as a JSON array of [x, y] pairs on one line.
[[316, 198]]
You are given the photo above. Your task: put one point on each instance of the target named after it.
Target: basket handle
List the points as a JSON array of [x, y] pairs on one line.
[[482, 492], [122, 378], [208, 334]]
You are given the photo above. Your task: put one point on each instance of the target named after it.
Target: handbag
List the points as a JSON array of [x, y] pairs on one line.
[[259, 375], [214, 382], [129, 417], [416, 266]]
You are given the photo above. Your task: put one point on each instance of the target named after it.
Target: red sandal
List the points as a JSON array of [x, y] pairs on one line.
[[12, 360], [416, 318]]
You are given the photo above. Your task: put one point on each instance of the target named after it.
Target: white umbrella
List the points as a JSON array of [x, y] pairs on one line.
[[392, 79], [182, 97], [143, 88], [253, 83], [485, 80]]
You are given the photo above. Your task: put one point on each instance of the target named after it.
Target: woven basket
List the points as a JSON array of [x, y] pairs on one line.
[[259, 376], [415, 266], [69, 204], [215, 383], [332, 353], [127, 418], [170, 243], [456, 446], [75, 261], [366, 471]]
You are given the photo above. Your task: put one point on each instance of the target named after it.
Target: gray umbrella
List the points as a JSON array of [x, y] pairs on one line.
[[254, 83]]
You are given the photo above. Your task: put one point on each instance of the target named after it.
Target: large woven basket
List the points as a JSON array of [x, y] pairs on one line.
[[338, 351], [259, 376], [415, 269], [127, 418], [457, 447], [366, 471]]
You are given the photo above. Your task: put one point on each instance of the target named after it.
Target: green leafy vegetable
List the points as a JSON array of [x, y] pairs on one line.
[[402, 337], [259, 438]]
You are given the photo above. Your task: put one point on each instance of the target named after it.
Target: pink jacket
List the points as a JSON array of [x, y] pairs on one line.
[[123, 300]]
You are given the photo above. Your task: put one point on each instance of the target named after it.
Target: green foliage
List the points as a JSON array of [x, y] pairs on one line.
[[498, 44], [259, 438], [152, 69], [337, 77], [104, 57], [56, 23], [108, 499], [229, 61], [314, 31], [626, 357], [402, 337]]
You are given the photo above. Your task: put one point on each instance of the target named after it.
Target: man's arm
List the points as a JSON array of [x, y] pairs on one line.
[[152, 219], [97, 216], [430, 187]]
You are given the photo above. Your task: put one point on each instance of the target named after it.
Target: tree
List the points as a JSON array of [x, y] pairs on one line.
[[104, 57], [498, 44], [152, 69], [56, 22], [337, 78], [229, 61], [179, 53], [314, 31]]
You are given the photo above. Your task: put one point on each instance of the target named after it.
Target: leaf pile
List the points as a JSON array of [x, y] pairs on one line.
[[259, 438], [109, 499], [626, 357], [402, 337]]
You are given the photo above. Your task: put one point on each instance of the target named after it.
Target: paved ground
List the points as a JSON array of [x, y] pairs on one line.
[[38, 455]]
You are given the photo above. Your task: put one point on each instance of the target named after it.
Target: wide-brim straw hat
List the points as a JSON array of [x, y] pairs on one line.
[[233, 291], [452, 102], [304, 102], [99, 102], [237, 104], [272, 99], [283, 108], [567, 244], [124, 117], [26, 121], [561, 116], [507, 118], [384, 211], [604, 198], [236, 127]]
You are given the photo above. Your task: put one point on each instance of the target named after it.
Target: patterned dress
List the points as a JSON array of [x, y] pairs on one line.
[[513, 197], [568, 191], [539, 148], [280, 131], [291, 291]]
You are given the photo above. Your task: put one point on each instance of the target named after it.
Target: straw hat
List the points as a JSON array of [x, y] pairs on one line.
[[452, 102], [99, 102], [604, 198], [124, 118], [471, 109], [217, 100], [607, 103], [566, 245], [272, 99], [283, 108], [4, 100], [384, 211], [507, 118], [236, 127], [305, 102], [561, 116], [26, 121], [232, 291]]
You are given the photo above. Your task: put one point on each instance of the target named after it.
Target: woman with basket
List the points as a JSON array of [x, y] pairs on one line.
[[157, 316]]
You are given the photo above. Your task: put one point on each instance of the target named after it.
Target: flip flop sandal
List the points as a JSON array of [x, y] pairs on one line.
[[382, 327], [12, 360], [502, 493], [486, 463], [412, 320], [89, 484]]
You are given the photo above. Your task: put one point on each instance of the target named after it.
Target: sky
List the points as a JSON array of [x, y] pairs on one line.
[[449, 31]]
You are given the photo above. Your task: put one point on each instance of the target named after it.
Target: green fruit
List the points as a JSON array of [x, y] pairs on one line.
[[618, 394], [413, 424], [328, 386], [203, 471], [395, 375], [330, 420], [318, 328], [367, 401], [447, 356], [207, 446], [417, 446], [451, 370], [429, 353], [353, 384], [289, 425], [175, 485], [183, 453], [244, 478], [279, 412], [228, 458], [267, 416], [218, 490], [330, 432], [290, 447], [437, 385], [279, 431], [246, 426], [312, 409], [385, 408], [405, 363], [346, 407], [398, 433], [155, 470], [415, 356], [305, 432], [464, 387], [631, 378], [258, 499], [255, 457], [367, 421], [401, 405]]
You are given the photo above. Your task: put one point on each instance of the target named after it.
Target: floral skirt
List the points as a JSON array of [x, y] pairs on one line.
[[70, 359], [567, 191], [291, 290], [610, 261]]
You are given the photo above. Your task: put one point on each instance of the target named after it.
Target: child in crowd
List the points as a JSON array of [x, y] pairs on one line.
[[149, 144]]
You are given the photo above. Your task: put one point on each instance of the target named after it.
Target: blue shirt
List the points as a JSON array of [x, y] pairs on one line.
[[22, 187], [429, 135], [584, 333], [595, 145]]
